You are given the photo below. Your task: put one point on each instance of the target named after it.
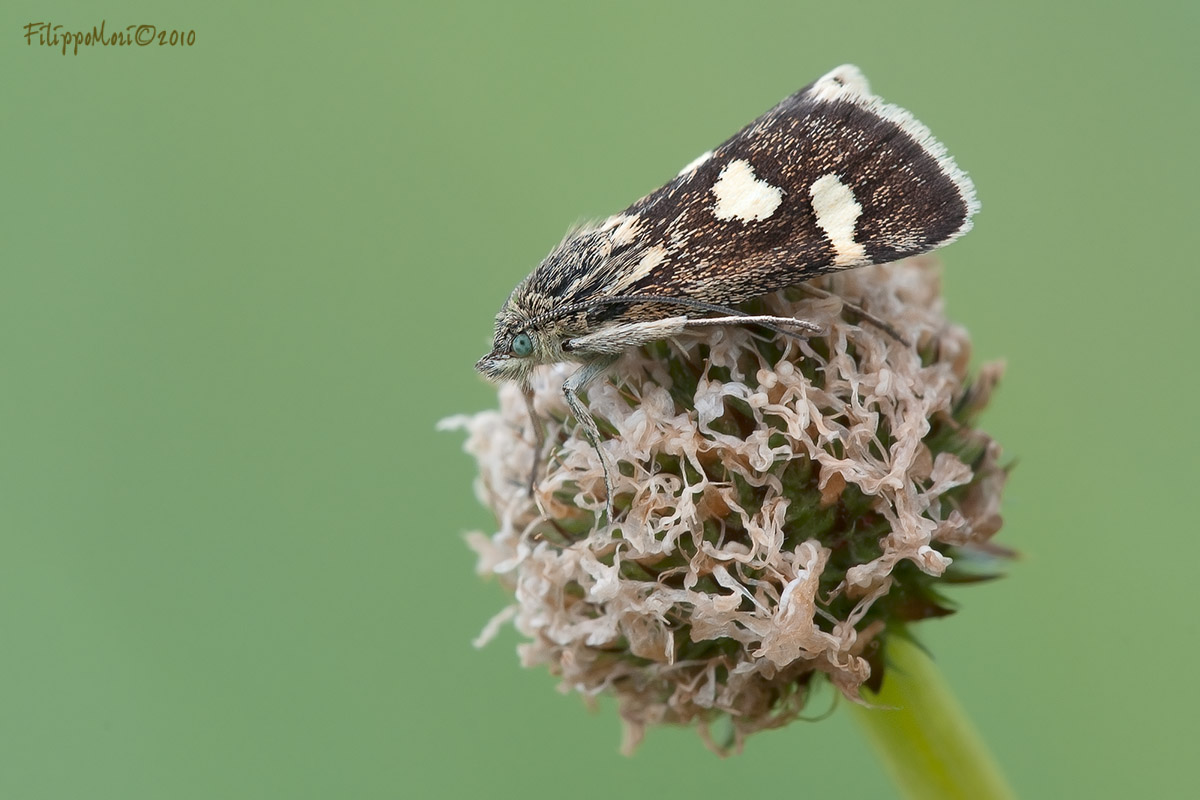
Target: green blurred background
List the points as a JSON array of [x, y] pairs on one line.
[[240, 282]]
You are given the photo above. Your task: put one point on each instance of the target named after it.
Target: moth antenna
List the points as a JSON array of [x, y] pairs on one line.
[[682, 302], [859, 311]]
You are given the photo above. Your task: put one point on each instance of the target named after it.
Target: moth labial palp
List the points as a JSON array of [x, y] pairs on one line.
[[831, 178]]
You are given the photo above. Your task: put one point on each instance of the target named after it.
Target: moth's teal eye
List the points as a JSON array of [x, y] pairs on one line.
[[522, 345]]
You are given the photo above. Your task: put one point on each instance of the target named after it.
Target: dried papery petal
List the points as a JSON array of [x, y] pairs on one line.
[[781, 505]]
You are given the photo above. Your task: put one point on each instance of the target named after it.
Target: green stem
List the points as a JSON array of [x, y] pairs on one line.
[[927, 744]]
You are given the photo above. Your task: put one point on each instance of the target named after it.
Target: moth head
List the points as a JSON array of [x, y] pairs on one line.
[[544, 311], [519, 345]]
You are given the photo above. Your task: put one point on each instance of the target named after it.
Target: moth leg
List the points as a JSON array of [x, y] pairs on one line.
[[539, 438], [858, 311], [783, 325], [611, 341], [571, 389]]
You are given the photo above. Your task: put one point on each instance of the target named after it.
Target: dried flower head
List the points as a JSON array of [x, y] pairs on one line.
[[782, 506]]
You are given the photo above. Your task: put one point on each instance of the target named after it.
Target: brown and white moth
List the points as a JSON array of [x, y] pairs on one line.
[[831, 178]]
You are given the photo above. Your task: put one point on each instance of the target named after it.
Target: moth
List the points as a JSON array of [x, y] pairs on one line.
[[831, 178]]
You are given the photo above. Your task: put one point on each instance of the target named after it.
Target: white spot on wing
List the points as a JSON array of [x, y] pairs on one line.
[[742, 196], [649, 261], [612, 222], [691, 167], [626, 232], [621, 230], [837, 212]]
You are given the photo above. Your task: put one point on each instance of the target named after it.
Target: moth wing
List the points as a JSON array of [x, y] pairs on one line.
[[831, 178]]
